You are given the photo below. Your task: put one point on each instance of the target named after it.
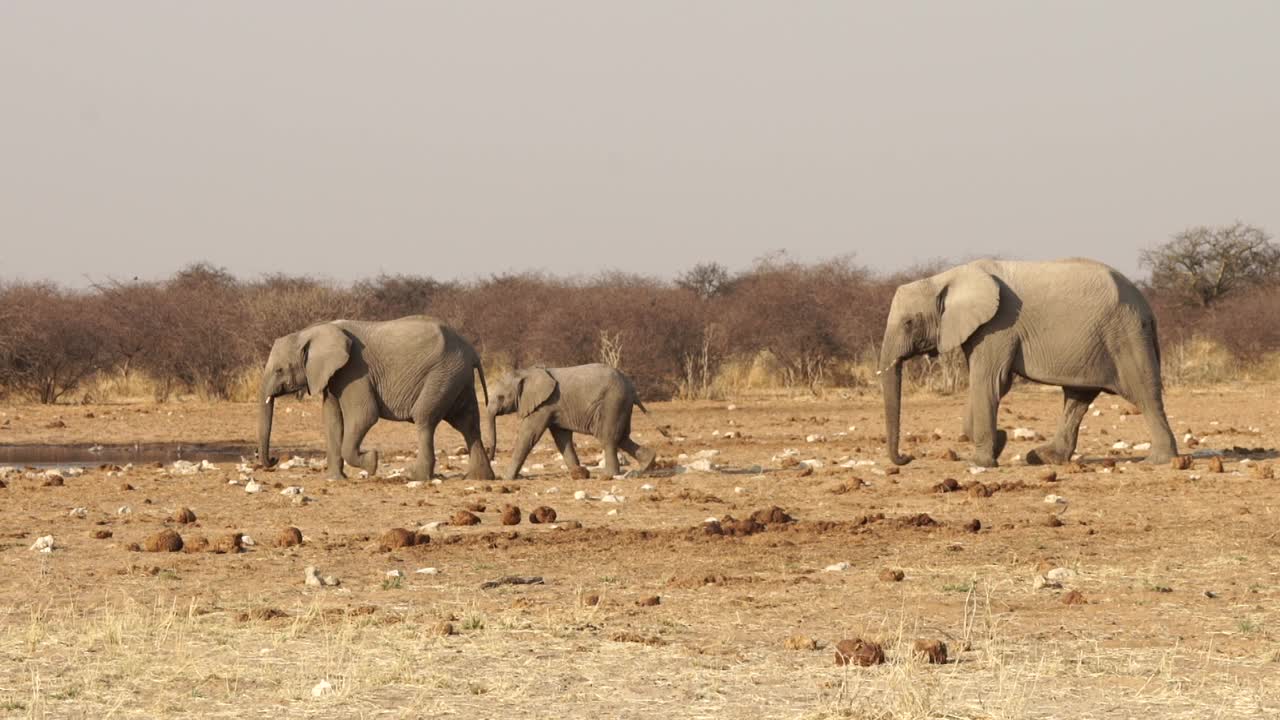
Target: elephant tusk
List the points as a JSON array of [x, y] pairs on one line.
[[268, 400]]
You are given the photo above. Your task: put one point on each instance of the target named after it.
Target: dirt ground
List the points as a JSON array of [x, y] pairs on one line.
[[1174, 574]]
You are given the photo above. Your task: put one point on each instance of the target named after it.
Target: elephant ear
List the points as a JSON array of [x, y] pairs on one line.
[[325, 349], [969, 299], [536, 386]]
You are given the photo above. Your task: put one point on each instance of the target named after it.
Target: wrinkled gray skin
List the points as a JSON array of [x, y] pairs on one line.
[[1074, 323], [593, 399], [412, 369]]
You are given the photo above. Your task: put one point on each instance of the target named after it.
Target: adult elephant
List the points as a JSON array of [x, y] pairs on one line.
[[595, 399], [1073, 323], [412, 369]]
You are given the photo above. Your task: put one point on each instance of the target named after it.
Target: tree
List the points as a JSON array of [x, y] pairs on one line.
[[1204, 264], [58, 349], [706, 280]]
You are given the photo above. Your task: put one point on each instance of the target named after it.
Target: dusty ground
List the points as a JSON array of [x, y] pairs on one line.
[[1178, 571]]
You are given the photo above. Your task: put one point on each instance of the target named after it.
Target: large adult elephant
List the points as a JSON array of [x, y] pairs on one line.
[[412, 369], [1073, 323]]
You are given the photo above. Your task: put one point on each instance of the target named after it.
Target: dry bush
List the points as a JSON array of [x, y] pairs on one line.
[[57, 346]]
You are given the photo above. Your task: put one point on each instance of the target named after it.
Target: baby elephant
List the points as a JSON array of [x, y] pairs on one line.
[[594, 399]]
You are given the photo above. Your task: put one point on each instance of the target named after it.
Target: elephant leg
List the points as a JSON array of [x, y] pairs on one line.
[[1140, 384], [564, 443], [609, 448], [645, 457], [333, 436], [1001, 437], [357, 418], [425, 467], [1075, 403], [530, 432], [986, 386], [465, 418]]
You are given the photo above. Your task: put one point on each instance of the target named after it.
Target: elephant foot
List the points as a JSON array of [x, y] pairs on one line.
[[335, 476], [369, 462], [1159, 457], [478, 471], [1047, 455], [986, 461], [646, 458]]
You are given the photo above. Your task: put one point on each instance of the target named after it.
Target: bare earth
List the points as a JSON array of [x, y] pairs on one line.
[[1178, 570]]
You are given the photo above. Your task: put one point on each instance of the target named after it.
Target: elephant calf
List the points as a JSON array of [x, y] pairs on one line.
[[593, 399], [412, 369]]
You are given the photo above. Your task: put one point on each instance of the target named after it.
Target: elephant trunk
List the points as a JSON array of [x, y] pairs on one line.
[[489, 432], [266, 412], [891, 384]]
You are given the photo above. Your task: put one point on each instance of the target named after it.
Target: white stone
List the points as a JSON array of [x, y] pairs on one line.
[[312, 576], [253, 486], [838, 567], [1121, 445], [432, 526], [395, 573], [815, 464], [977, 470], [611, 498], [78, 512], [1043, 583], [414, 484], [124, 510], [427, 571], [701, 465], [580, 495], [551, 491], [612, 512], [739, 490], [815, 438], [322, 688], [43, 544], [291, 490], [711, 520], [1142, 446], [1055, 500], [646, 488], [1060, 574], [731, 407], [707, 454], [1025, 434], [246, 540]]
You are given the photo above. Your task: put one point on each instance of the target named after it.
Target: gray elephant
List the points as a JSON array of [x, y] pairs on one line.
[[412, 369], [593, 399], [1077, 324]]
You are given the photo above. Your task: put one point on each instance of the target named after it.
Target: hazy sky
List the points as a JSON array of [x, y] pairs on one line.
[[457, 139]]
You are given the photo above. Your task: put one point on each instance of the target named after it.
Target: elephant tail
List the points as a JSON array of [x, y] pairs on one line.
[[483, 386], [663, 430]]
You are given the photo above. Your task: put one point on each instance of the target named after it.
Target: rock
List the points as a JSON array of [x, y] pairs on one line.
[[163, 541], [837, 567], [43, 544], [1121, 445], [611, 498], [859, 652], [476, 507], [78, 513], [229, 543], [396, 538], [427, 571], [772, 515], [1060, 574], [1041, 583], [1025, 434], [931, 651], [589, 600], [1215, 464], [1054, 500], [979, 490], [891, 575], [322, 688], [253, 486], [1074, 597], [1048, 476], [948, 455], [101, 534], [580, 495], [1181, 462], [124, 510], [805, 471], [579, 472], [53, 481], [801, 642], [462, 517], [973, 525], [1052, 521], [289, 537], [195, 544], [311, 576], [542, 514], [650, 601], [919, 520], [1261, 471], [184, 516], [331, 581], [510, 515], [443, 629]]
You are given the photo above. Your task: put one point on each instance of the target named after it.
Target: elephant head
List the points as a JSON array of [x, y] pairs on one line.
[[520, 391], [928, 316], [305, 360]]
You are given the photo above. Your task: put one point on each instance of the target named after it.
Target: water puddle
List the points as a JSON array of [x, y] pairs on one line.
[[48, 456]]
